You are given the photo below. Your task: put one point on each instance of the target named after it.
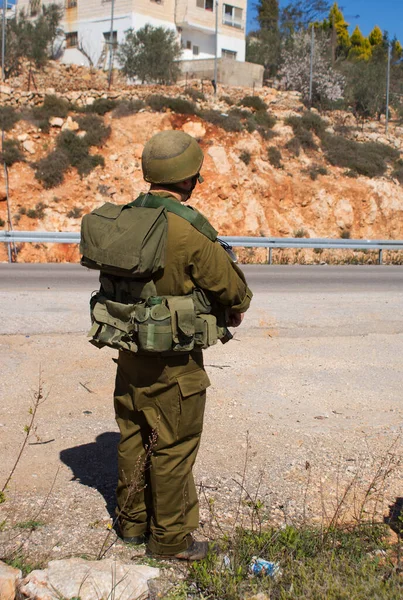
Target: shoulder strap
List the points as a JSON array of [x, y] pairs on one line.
[[196, 219]]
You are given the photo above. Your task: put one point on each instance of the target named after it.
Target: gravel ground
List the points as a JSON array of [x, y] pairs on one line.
[[305, 402]]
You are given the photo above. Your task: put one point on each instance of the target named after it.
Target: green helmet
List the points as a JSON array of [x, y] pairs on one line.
[[171, 157]]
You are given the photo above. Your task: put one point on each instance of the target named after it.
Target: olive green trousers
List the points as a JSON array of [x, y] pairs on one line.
[[159, 406]]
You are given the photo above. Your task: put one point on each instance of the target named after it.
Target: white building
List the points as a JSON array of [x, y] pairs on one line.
[[87, 25]]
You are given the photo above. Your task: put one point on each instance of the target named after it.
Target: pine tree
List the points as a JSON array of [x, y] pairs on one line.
[[375, 37], [268, 15]]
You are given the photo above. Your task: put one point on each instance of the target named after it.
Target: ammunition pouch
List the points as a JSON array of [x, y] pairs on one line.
[[157, 324]]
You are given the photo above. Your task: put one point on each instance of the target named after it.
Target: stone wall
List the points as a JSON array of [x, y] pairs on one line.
[[229, 72]]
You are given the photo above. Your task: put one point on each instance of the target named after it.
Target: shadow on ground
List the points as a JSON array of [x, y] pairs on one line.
[[95, 465]]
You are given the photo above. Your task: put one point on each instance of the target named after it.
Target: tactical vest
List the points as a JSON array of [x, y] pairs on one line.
[[127, 245]]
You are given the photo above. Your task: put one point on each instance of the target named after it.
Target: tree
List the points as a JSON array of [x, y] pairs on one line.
[[34, 40], [263, 46], [328, 84], [375, 37], [268, 15], [338, 26], [299, 14], [150, 54], [361, 48]]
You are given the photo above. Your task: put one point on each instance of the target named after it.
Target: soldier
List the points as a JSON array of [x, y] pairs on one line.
[[166, 392]]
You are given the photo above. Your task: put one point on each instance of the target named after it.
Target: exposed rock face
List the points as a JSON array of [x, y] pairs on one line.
[[242, 193], [77, 578], [8, 581]]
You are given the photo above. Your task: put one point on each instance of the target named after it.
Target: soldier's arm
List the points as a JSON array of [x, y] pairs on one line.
[[212, 269]]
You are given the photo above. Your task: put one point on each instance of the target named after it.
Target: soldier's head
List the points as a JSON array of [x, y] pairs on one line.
[[172, 160]]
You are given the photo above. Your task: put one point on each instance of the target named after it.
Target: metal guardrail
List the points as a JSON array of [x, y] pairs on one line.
[[49, 237]]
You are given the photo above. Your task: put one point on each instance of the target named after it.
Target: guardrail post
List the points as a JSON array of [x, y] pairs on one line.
[[270, 255], [380, 256]]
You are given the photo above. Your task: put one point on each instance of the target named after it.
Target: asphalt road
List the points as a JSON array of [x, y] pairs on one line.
[[272, 279]]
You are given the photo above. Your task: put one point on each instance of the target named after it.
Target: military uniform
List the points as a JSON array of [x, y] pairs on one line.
[[168, 394]]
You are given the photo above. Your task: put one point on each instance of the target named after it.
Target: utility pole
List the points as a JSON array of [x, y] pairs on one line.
[[311, 64], [216, 48], [3, 42], [111, 45], [387, 90]]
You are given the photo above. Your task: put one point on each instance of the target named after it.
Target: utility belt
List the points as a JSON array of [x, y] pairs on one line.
[[157, 324]]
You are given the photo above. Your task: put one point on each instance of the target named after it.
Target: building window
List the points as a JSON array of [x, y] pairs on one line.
[[71, 4], [228, 54], [232, 16], [206, 4], [72, 40], [107, 37], [188, 45], [195, 50], [34, 7]]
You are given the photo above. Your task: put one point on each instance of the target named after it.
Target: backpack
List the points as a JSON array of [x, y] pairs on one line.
[[127, 245]]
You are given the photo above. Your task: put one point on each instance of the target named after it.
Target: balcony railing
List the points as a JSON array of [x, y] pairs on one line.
[[232, 21]]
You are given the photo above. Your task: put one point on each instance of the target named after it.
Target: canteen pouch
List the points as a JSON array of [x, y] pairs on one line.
[[153, 324]]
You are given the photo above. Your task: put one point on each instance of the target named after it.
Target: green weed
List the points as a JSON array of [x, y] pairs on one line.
[[32, 525]]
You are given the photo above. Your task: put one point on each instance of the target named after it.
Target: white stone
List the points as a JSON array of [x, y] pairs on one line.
[[70, 125], [114, 157], [29, 146], [195, 129], [5, 89], [220, 159], [89, 101], [81, 134], [8, 581], [88, 580], [22, 137], [56, 122]]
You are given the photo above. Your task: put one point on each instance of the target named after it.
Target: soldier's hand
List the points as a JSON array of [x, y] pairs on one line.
[[235, 319]]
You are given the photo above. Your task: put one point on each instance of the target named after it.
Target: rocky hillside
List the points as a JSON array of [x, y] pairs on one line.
[[284, 178]]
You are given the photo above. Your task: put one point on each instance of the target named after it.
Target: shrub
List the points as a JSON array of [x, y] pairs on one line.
[[315, 171], [345, 234], [351, 173], [253, 102], [96, 132], [50, 170], [89, 163], [52, 106], [294, 146], [74, 147], [303, 134], [128, 107], [313, 122], [38, 212], [101, 106], [2, 222], [301, 233], [264, 119], [369, 158], [8, 117], [158, 103], [274, 156], [228, 122], [11, 153], [195, 94], [75, 213], [398, 172], [245, 157], [228, 100]]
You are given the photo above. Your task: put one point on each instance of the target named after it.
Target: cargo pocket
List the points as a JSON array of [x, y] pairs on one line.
[[192, 388]]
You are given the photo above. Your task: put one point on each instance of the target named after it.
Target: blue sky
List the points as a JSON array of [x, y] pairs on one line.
[[388, 14]]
